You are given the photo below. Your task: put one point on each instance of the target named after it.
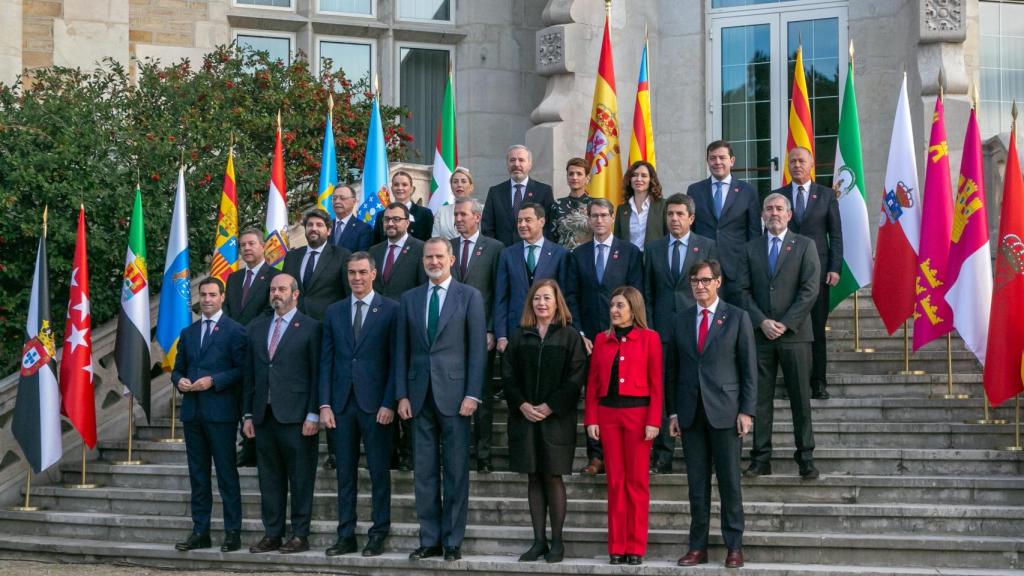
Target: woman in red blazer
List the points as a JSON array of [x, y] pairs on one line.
[[623, 410]]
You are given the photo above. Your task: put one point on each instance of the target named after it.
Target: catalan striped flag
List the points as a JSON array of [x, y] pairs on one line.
[[276, 245], [225, 246], [603, 154], [376, 194], [176, 291], [328, 164], [801, 128], [641, 145]]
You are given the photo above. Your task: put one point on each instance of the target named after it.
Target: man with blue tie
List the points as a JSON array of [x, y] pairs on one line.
[[506, 199], [357, 400], [208, 373], [349, 232]]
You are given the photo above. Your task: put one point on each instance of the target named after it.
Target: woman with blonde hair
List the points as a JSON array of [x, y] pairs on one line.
[[444, 217]]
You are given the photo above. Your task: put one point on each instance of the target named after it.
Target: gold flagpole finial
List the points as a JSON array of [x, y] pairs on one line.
[[181, 162], [46, 210], [1013, 116], [138, 179], [974, 95], [376, 85], [851, 50], [330, 101], [608, 6], [279, 120], [942, 82]]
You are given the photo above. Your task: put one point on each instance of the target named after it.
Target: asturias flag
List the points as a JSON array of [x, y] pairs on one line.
[[376, 194], [131, 353], [328, 164], [603, 154], [77, 398], [641, 145], [801, 128], [446, 153], [225, 247], [176, 288], [276, 245]]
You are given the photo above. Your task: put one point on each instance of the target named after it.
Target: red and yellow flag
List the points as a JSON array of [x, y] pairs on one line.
[[801, 128], [603, 154], [225, 249], [641, 145]]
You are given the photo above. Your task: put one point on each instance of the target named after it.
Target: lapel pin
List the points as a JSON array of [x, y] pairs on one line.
[[373, 309], [216, 328], [615, 255], [719, 321], [477, 253], [405, 249], [696, 248], [789, 248], [296, 324], [735, 188], [814, 196]]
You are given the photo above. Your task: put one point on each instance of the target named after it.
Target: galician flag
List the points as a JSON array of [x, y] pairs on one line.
[[131, 353], [641, 145], [603, 154], [77, 398], [446, 153], [175, 288], [328, 164], [376, 193], [801, 128], [853, 205], [276, 228], [225, 247]]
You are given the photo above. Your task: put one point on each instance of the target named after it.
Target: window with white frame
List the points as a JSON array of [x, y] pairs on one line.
[[277, 45], [353, 56], [349, 7], [286, 4], [1002, 63], [435, 10], [422, 75]]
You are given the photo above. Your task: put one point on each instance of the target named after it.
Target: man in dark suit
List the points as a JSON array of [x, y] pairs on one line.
[[476, 264], [505, 200], [711, 366], [439, 369], [280, 404], [421, 219], [208, 373], [726, 210], [348, 232], [667, 291], [779, 279], [357, 400], [816, 216], [318, 266], [533, 258]]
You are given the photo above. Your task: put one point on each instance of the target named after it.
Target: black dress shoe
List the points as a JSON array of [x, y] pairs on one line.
[[452, 553], [808, 471], [426, 552], [484, 467], [404, 465], [266, 544], [661, 468], [246, 457], [296, 544], [756, 470], [820, 394], [194, 542], [232, 541], [330, 463], [375, 547], [634, 559], [539, 548], [616, 559], [556, 553], [343, 546]]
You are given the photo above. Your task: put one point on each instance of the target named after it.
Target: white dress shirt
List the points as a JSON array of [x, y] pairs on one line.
[[473, 240], [367, 301], [536, 253], [202, 326], [638, 222], [685, 243]]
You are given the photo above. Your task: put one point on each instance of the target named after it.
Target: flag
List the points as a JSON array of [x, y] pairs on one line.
[[446, 153], [641, 145], [328, 164], [376, 194], [225, 247], [1006, 329], [899, 224], [276, 233], [76, 391], [36, 423], [970, 267], [603, 154], [131, 352], [932, 315], [175, 288], [853, 205], [801, 128]]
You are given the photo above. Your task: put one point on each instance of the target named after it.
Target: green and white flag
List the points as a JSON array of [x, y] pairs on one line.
[[446, 153], [853, 209], [131, 352]]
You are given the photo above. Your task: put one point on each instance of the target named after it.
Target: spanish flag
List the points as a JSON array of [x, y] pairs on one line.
[[801, 129], [603, 154], [641, 145]]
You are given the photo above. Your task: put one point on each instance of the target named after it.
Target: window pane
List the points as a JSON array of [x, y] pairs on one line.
[[271, 3], [279, 48], [732, 3], [423, 73], [352, 58], [1002, 65], [424, 9], [821, 70], [347, 6]]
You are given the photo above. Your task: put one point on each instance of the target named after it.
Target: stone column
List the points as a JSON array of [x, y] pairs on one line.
[[10, 40]]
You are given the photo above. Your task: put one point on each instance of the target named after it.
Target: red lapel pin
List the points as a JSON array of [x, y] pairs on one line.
[[296, 324]]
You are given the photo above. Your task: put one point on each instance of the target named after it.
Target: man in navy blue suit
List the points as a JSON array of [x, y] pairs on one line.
[[349, 232], [208, 373], [357, 399], [440, 353], [506, 199]]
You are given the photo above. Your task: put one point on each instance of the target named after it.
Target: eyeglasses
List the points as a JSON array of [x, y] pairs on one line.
[[706, 281], [394, 219]]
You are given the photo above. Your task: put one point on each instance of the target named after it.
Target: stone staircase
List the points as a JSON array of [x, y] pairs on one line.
[[907, 487]]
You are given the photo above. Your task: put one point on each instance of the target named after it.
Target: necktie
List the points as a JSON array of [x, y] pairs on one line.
[[702, 332], [246, 285], [206, 332], [600, 262], [275, 338], [307, 274], [464, 260], [389, 262], [433, 313], [773, 254], [517, 202], [531, 260], [801, 204], [336, 234], [718, 199], [357, 323], [677, 261]]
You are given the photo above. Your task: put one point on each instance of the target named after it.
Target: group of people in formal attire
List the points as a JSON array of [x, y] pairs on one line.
[[670, 315]]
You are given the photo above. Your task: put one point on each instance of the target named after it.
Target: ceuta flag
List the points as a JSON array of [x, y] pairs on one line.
[[76, 392], [603, 154]]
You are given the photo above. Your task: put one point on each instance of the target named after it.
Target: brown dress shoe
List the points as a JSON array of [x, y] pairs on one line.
[[595, 467], [266, 544], [294, 545], [734, 559], [693, 557]]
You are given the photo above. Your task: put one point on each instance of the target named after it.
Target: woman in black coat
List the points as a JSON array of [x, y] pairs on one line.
[[544, 368]]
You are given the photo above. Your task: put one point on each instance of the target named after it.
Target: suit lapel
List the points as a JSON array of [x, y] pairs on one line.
[[545, 258], [370, 316], [784, 250], [689, 333], [321, 263], [716, 325], [730, 199], [450, 304], [419, 318]]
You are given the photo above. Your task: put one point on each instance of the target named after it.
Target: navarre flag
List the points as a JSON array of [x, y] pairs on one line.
[[932, 315], [225, 246], [641, 144], [603, 154], [131, 352], [175, 288], [36, 423], [276, 227], [376, 193], [1005, 347], [801, 128], [76, 390], [899, 224], [970, 267], [446, 153], [853, 205], [328, 164]]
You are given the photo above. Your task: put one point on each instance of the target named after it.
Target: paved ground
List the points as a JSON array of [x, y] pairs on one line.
[[22, 568]]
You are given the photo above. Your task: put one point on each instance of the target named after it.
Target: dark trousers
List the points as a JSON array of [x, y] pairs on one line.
[[795, 360], [483, 418], [401, 441], [285, 460], [351, 425], [819, 317], [206, 442], [702, 447], [442, 500]]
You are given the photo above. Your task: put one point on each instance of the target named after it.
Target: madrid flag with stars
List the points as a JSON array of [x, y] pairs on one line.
[[76, 391]]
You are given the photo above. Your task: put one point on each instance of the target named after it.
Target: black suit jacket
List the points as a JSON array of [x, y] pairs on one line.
[[328, 284], [499, 222], [420, 226], [655, 221], [821, 223], [482, 270], [588, 298], [787, 295], [221, 357], [740, 222], [664, 298], [291, 378], [257, 302], [407, 271], [356, 236]]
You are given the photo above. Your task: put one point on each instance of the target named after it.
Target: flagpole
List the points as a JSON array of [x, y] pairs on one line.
[[82, 485], [174, 418], [1017, 447], [906, 355], [28, 507], [856, 326], [950, 395], [131, 425]]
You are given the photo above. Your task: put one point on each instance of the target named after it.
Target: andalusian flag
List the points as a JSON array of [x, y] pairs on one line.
[[446, 153], [225, 248], [131, 352], [376, 193], [175, 288], [603, 154], [641, 145], [853, 205], [328, 164], [801, 129], [276, 245]]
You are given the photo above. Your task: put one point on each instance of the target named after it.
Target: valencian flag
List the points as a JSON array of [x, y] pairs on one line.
[[376, 194], [801, 129], [970, 267], [328, 164], [36, 424], [276, 232], [603, 154], [899, 224], [932, 315], [225, 246], [76, 391], [446, 153], [853, 205], [641, 145], [131, 353], [175, 288], [1003, 378]]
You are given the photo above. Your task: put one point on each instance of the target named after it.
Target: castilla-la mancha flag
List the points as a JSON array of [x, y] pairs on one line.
[[77, 398], [603, 154]]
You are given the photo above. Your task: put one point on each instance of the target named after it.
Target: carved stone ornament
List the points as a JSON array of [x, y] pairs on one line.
[[551, 50], [943, 21]]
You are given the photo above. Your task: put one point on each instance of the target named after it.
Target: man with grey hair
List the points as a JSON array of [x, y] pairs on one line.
[[506, 198]]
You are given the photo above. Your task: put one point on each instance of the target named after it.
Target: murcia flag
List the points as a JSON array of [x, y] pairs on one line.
[[131, 352]]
